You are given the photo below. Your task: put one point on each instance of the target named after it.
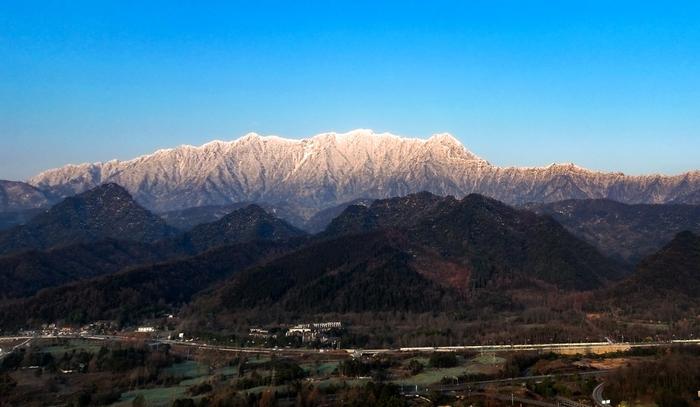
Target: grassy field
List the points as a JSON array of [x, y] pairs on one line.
[[337, 381], [161, 396], [488, 360], [188, 369], [320, 370], [258, 360], [70, 345], [260, 389], [227, 371], [431, 376], [192, 373]]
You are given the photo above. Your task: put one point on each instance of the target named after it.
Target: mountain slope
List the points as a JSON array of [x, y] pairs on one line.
[[186, 219], [248, 224], [416, 253], [628, 232], [19, 196], [135, 293], [320, 220], [328, 169], [665, 285], [491, 238], [107, 211], [692, 197], [419, 253], [372, 272], [8, 220], [25, 273], [399, 212]]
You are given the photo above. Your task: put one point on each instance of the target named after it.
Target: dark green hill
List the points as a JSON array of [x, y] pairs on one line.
[[398, 212], [419, 253], [490, 238], [105, 212], [186, 219], [371, 272], [135, 293], [25, 273], [665, 285], [246, 224], [627, 232]]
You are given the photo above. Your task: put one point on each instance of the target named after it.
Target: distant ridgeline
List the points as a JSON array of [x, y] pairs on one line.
[[302, 177]]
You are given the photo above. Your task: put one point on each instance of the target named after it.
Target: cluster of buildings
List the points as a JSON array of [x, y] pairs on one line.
[[52, 330], [321, 331], [324, 332], [259, 333], [56, 330]]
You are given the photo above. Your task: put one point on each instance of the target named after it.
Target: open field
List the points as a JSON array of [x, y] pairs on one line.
[[160, 375]]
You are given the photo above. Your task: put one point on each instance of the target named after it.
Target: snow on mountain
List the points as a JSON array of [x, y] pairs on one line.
[[18, 196], [331, 168]]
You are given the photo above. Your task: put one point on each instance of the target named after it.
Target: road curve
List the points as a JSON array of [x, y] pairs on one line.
[[597, 395]]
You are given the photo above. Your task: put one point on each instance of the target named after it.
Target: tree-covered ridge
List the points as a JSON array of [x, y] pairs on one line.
[[105, 212]]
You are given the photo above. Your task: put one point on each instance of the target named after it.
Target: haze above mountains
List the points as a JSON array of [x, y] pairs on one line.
[[302, 177]]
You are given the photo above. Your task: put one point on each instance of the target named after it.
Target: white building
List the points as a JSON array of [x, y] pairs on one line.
[[145, 329]]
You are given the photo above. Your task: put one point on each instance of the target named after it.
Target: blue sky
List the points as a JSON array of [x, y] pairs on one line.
[[607, 86]]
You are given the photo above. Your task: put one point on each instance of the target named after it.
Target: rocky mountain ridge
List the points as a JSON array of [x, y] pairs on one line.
[[329, 169]]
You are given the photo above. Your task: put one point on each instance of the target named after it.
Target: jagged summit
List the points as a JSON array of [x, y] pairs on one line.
[[362, 136], [326, 170], [366, 138]]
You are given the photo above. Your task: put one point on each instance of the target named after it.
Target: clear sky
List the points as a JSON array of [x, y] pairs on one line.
[[610, 85]]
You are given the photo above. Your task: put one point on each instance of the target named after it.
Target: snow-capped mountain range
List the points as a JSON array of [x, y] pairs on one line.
[[328, 169]]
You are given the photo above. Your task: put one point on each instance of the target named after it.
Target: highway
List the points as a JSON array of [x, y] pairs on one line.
[[552, 347]]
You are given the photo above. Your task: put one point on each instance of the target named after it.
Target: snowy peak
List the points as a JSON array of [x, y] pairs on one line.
[[329, 169], [359, 139]]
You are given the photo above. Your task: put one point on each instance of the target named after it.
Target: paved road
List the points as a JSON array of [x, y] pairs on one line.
[[5, 352], [585, 346], [481, 383], [597, 395]]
